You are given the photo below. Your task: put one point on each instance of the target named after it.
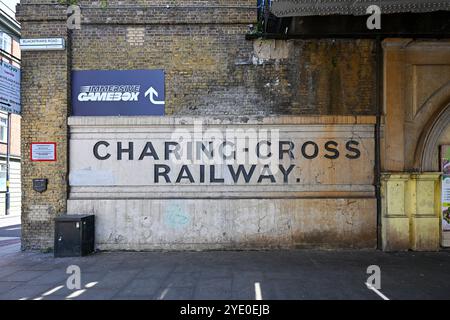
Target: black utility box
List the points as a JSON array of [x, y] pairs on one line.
[[74, 235]]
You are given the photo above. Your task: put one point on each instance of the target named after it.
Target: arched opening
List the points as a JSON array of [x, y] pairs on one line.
[[429, 161], [435, 133]]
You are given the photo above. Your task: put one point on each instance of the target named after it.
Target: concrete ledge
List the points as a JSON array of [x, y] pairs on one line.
[[231, 224], [243, 120]]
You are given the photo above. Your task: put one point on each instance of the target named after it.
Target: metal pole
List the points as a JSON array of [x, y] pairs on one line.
[[266, 15], [379, 106], [8, 151]]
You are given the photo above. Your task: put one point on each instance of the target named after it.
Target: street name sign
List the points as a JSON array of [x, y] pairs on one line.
[[42, 44]]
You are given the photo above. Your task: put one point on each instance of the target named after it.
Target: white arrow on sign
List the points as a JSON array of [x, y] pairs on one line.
[[153, 93]]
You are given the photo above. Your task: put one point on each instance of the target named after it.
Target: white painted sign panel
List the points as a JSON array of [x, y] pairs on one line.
[[117, 157], [185, 183]]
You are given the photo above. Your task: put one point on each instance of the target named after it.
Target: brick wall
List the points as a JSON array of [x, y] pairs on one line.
[[211, 69], [44, 119]]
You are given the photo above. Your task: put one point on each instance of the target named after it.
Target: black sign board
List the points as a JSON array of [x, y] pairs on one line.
[[40, 185]]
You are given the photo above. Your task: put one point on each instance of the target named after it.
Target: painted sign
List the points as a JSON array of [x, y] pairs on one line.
[[43, 151], [121, 156], [445, 152], [196, 170], [183, 182], [9, 88], [42, 44], [118, 93]]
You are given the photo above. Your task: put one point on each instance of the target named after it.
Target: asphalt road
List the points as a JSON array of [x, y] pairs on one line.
[[10, 230], [222, 275], [229, 275]]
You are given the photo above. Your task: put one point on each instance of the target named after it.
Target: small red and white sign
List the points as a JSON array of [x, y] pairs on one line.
[[43, 151]]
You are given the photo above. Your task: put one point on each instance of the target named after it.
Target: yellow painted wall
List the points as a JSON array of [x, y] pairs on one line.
[[411, 211], [416, 102]]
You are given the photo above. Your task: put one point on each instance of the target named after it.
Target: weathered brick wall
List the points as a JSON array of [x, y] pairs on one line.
[[211, 69], [44, 119]]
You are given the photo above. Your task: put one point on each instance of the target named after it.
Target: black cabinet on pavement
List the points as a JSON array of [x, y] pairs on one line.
[[74, 235]]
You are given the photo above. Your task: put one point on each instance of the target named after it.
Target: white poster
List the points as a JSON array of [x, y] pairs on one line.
[[446, 203], [446, 188]]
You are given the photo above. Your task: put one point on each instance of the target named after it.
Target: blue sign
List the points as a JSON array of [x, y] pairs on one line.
[[9, 88], [118, 93]]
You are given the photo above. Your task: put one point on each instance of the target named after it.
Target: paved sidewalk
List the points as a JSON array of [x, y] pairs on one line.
[[10, 230], [226, 275]]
